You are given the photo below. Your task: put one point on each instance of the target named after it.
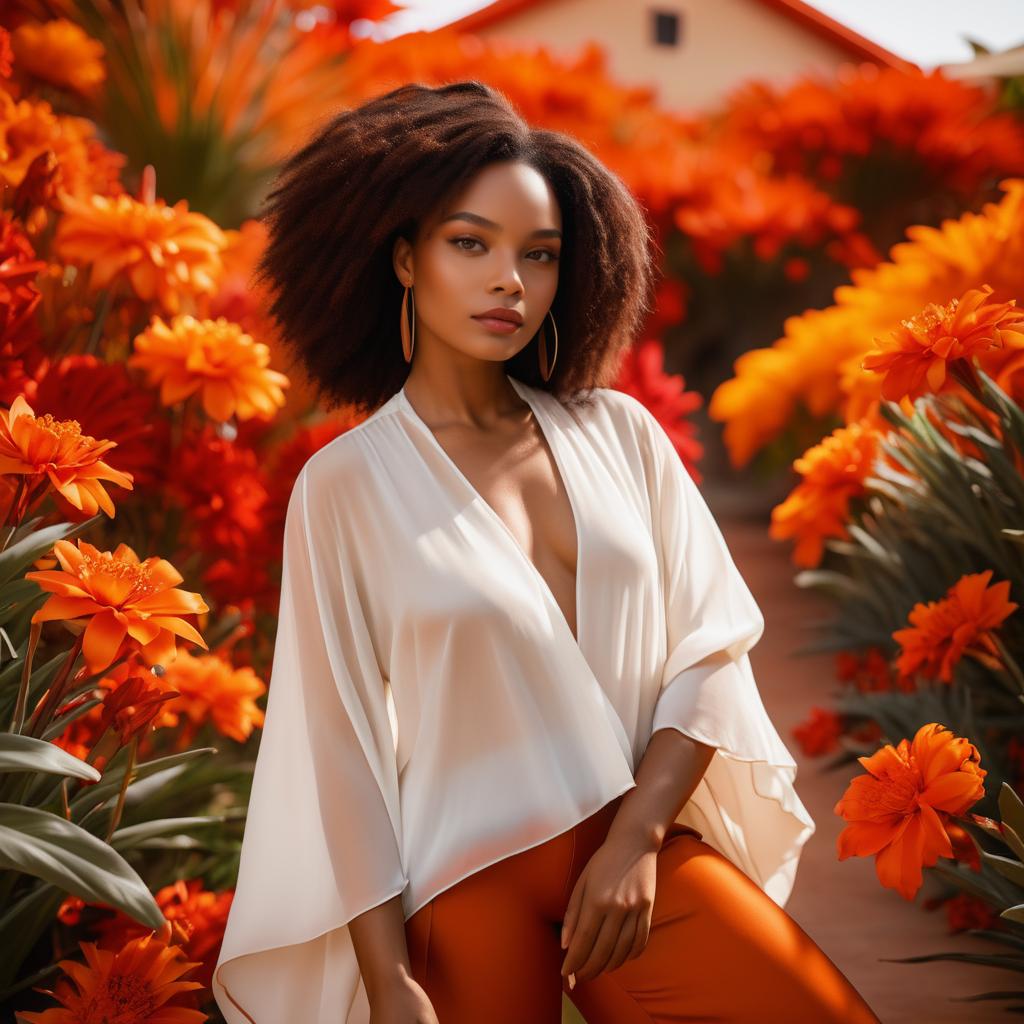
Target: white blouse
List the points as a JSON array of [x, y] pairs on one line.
[[430, 712]]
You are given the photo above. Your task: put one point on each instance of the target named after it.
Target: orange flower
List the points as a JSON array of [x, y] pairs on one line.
[[197, 917], [214, 357], [163, 252], [29, 127], [130, 602], [136, 985], [916, 358], [131, 707], [43, 447], [942, 632], [211, 689], [833, 475], [900, 809], [61, 53]]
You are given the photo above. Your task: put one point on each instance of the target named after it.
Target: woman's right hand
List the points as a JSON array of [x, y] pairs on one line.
[[403, 1002]]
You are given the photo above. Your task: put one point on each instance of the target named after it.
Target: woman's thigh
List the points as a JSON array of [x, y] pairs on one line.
[[487, 948], [720, 949]]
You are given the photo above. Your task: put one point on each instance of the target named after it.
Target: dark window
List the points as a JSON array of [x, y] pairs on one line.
[[666, 28]]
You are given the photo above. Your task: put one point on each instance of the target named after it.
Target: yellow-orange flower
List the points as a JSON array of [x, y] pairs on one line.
[[130, 603], [60, 52], [899, 811], [211, 689], [805, 367], [163, 252], [214, 357], [43, 447], [135, 985], [916, 357], [942, 632], [833, 475]]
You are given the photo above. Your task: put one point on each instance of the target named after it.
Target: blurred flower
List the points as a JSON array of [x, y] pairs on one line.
[[898, 811], [869, 671], [135, 985], [642, 375], [964, 911], [813, 366], [41, 447], [129, 602], [215, 358], [163, 252], [942, 632], [105, 399], [819, 734], [59, 52], [833, 475], [210, 689], [19, 295], [916, 358], [29, 127]]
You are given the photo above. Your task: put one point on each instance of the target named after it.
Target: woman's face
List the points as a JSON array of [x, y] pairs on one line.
[[496, 245]]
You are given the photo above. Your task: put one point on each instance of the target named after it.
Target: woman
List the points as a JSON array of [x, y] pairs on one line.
[[513, 745]]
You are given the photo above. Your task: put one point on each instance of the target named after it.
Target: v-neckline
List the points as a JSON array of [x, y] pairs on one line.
[[523, 390]]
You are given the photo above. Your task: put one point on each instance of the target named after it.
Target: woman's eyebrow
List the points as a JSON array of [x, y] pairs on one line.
[[484, 222]]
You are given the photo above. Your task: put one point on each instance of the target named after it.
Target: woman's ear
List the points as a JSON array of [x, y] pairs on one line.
[[401, 260]]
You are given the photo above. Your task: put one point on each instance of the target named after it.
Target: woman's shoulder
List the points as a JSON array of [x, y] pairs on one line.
[[341, 472], [620, 414]]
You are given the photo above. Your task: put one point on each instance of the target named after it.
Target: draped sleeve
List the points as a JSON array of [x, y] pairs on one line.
[[746, 805], [322, 841]]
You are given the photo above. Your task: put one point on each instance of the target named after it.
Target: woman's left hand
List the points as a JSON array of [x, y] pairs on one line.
[[608, 918]]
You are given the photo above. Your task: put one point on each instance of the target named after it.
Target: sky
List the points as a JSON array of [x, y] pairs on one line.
[[928, 32]]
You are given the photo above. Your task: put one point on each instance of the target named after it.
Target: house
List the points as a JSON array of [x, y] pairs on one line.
[[692, 51]]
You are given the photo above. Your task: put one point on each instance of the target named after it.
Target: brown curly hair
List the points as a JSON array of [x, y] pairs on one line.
[[372, 174]]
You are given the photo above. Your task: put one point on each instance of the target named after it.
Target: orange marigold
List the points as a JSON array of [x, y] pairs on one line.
[[130, 603], [942, 632], [42, 448], [900, 810], [833, 475], [135, 985], [214, 357], [163, 252], [917, 355]]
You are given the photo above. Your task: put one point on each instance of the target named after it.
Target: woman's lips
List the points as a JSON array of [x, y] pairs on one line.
[[492, 323]]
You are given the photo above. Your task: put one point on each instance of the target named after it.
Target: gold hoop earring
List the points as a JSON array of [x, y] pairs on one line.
[[408, 332], [542, 348]]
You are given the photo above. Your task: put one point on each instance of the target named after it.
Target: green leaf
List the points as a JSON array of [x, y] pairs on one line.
[[15, 559], [92, 796], [1011, 810], [1006, 866], [133, 835], [29, 754], [48, 846]]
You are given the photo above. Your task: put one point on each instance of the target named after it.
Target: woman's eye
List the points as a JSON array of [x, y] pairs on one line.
[[457, 242]]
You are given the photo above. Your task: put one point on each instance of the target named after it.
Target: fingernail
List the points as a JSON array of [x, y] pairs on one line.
[[572, 981]]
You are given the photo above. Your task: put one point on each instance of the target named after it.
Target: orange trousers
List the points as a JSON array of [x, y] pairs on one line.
[[719, 950]]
